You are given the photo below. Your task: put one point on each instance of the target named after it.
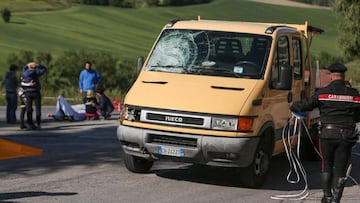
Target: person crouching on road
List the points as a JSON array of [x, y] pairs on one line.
[[105, 105], [90, 106], [339, 111], [31, 75]]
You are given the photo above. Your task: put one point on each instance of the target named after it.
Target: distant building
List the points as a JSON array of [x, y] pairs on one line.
[[323, 79]]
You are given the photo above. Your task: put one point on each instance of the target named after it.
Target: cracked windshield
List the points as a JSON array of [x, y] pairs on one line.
[[214, 53]]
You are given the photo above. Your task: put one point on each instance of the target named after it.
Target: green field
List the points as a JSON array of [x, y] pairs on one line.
[[129, 33], [34, 5]]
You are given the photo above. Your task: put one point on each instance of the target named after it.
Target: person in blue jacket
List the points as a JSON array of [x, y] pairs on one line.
[[31, 83], [88, 79], [105, 105]]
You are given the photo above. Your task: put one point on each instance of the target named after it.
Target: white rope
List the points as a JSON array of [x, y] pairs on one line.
[[348, 175], [294, 159]]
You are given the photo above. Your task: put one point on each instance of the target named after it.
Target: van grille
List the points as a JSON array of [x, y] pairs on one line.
[[175, 119], [172, 140]]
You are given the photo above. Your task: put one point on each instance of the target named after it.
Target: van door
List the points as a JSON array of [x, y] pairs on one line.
[[278, 99], [297, 64]]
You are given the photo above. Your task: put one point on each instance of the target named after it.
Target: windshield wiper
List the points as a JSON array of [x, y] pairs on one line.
[[166, 68], [216, 69]]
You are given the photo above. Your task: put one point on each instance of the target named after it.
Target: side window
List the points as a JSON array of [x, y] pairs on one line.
[[281, 57], [297, 59]]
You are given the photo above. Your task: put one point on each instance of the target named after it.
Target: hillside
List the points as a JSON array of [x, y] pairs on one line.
[[129, 33], [291, 3], [34, 5]]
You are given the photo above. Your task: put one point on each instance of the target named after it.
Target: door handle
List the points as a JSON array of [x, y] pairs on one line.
[[290, 97]]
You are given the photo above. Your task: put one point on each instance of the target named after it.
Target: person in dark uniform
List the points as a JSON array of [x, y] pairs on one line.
[[339, 106], [11, 84]]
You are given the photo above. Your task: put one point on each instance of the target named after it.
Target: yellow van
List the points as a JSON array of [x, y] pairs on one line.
[[216, 93]]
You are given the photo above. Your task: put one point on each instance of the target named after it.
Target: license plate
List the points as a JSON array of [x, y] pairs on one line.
[[171, 151]]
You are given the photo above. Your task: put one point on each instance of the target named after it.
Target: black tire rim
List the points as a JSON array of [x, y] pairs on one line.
[[261, 165]]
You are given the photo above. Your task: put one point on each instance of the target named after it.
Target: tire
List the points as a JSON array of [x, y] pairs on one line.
[[307, 151], [255, 175], [137, 164]]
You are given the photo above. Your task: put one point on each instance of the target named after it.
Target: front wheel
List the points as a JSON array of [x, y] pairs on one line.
[[137, 164], [255, 175]]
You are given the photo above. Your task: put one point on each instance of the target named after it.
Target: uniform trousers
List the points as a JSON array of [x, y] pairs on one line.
[[336, 154]]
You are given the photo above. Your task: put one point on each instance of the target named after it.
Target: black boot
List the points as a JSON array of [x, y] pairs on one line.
[[326, 186], [338, 188]]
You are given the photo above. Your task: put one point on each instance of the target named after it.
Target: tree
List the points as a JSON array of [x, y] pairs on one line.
[[316, 2], [349, 26], [6, 14], [116, 3], [22, 58]]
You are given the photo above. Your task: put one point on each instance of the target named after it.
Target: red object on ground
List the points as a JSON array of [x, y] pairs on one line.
[[94, 116], [117, 105]]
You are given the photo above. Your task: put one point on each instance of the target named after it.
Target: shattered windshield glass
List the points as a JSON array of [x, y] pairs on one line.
[[213, 53]]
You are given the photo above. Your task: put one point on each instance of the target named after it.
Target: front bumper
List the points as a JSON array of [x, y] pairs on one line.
[[210, 150]]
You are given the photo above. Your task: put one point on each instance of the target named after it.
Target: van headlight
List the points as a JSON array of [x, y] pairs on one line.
[[242, 124], [131, 113], [224, 124]]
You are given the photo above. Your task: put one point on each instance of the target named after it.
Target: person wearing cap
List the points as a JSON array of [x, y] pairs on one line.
[[105, 105], [339, 107]]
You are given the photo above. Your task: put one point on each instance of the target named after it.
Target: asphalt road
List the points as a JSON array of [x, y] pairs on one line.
[[83, 162]]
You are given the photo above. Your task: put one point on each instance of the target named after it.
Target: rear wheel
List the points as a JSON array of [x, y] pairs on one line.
[[255, 175], [137, 164]]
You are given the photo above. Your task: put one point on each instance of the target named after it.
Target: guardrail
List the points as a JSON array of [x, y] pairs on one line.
[[46, 97]]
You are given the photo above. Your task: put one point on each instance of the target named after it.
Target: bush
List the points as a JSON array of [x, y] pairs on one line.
[[153, 2], [316, 2], [6, 14], [116, 3], [182, 2], [325, 59]]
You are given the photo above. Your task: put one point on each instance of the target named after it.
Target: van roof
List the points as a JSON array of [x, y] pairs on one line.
[[239, 26], [217, 25]]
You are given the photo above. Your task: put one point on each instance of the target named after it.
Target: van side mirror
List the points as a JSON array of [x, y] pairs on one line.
[[285, 78], [140, 63]]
